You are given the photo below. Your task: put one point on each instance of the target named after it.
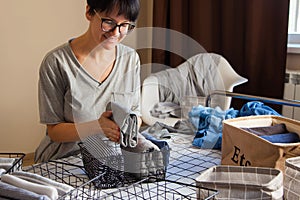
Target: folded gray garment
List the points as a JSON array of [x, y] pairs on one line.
[[50, 191], [165, 109], [128, 123], [8, 191], [62, 188]]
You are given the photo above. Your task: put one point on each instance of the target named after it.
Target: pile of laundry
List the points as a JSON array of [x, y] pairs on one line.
[[208, 121]]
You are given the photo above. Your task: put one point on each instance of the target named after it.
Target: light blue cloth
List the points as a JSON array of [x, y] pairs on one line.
[[256, 108], [208, 121]]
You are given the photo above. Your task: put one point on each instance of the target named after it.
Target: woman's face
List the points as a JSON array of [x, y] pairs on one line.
[[100, 21]]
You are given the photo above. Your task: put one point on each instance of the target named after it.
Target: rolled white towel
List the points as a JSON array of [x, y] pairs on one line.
[[62, 188], [7, 160], [7, 163], [50, 191], [2, 171], [8, 191]]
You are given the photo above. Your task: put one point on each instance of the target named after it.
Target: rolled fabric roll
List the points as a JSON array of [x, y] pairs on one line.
[[8, 191], [6, 163], [50, 191], [62, 188], [2, 171]]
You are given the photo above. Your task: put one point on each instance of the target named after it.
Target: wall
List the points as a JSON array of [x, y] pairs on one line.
[[137, 37], [29, 28], [292, 85]]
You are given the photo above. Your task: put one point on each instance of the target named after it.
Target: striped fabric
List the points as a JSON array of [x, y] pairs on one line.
[[291, 181], [235, 182]]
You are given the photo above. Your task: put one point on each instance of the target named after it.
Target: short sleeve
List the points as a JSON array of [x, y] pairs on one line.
[[50, 92]]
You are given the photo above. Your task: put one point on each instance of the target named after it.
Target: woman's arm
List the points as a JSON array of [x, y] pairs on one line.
[[71, 132]]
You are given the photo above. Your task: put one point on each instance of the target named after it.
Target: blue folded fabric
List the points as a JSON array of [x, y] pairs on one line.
[[282, 138]]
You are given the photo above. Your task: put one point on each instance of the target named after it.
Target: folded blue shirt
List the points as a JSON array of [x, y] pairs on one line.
[[282, 138]]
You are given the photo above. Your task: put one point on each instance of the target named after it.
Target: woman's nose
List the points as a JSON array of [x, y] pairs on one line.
[[115, 32]]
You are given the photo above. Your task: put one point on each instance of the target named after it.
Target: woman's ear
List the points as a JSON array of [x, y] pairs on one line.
[[87, 13]]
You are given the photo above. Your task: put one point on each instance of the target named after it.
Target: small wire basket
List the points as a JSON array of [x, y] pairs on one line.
[[109, 170], [17, 163], [68, 171], [122, 168], [153, 188]]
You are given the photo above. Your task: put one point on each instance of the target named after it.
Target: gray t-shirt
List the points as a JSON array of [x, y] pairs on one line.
[[68, 93]]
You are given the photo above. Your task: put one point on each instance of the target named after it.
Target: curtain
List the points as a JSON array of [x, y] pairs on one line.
[[250, 34]]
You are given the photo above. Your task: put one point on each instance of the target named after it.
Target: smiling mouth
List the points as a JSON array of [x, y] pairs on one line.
[[111, 39]]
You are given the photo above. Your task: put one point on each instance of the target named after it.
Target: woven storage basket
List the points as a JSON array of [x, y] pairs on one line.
[[109, 170], [291, 181], [234, 182], [243, 148]]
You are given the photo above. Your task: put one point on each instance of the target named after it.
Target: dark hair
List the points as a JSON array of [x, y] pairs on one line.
[[128, 8]]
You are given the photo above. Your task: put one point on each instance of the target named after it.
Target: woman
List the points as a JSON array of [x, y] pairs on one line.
[[79, 78]]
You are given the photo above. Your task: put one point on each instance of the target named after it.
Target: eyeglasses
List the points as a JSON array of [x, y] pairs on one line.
[[109, 25]]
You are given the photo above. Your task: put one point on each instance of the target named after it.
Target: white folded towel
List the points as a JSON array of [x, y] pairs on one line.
[[50, 191], [62, 188]]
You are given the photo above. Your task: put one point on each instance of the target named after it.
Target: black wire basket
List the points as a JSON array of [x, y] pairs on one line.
[[109, 170], [68, 171], [153, 188], [17, 163], [124, 168]]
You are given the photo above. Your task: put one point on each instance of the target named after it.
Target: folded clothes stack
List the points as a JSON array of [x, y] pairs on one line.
[[166, 109], [277, 133], [26, 185]]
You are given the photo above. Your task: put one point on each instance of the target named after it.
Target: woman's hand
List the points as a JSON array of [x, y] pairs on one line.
[[110, 129]]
